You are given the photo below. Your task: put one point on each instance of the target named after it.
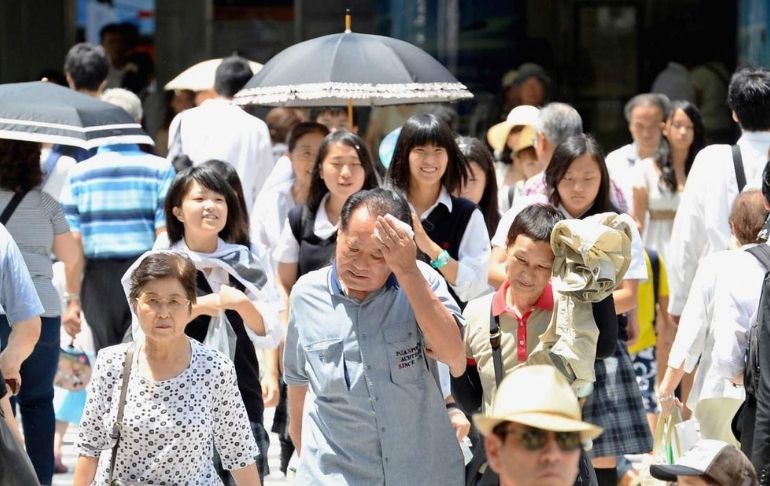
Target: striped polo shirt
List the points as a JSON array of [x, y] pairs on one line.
[[115, 201]]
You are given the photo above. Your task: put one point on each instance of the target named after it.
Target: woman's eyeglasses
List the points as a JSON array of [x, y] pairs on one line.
[[157, 305], [534, 439]]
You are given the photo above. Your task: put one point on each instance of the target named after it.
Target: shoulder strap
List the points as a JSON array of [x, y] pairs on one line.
[[494, 342], [11, 207], [655, 264], [740, 175], [761, 253], [117, 427], [298, 216]]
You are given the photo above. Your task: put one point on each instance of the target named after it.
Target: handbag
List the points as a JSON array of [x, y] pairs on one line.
[[666, 448], [117, 427], [15, 466], [221, 336], [74, 370]]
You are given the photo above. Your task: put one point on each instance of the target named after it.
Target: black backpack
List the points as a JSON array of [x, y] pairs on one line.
[[751, 373]]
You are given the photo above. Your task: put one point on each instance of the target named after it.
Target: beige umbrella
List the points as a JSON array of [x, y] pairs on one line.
[[200, 77]]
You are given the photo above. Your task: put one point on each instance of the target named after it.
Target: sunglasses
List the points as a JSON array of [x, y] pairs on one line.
[[534, 439]]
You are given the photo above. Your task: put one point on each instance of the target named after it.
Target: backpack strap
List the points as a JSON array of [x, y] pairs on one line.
[[762, 253], [494, 342], [740, 174], [11, 207]]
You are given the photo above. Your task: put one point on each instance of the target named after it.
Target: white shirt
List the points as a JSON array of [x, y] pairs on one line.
[[473, 254], [637, 270], [620, 164], [268, 216], [736, 299], [701, 225], [58, 176], [218, 129], [282, 171], [287, 250], [704, 323]]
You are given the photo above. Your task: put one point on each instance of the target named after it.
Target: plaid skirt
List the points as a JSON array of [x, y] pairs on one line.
[[616, 406]]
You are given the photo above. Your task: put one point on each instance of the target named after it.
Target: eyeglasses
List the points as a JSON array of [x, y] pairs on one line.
[[157, 305], [534, 439]]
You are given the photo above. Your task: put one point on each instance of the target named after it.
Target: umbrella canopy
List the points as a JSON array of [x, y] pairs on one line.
[[49, 113], [200, 77], [342, 68]]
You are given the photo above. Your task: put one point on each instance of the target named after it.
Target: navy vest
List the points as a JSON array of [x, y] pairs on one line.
[[446, 229], [314, 252]]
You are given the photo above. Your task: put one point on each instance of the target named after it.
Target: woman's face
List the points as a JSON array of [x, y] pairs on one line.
[[163, 309], [427, 164], [529, 163], [580, 185], [203, 212], [342, 171], [474, 187], [304, 154], [679, 130]]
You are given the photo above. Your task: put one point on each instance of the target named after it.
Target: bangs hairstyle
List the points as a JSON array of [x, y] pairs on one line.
[[304, 128], [536, 222], [475, 151], [164, 264], [427, 129], [318, 187], [232, 178], [566, 153], [235, 230]]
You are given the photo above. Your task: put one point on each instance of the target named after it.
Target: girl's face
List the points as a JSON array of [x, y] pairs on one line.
[[304, 154], [679, 130], [427, 164], [202, 212], [342, 171], [474, 187], [580, 185]]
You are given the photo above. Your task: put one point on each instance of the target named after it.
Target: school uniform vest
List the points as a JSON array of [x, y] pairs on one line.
[[314, 252], [447, 229], [245, 359]]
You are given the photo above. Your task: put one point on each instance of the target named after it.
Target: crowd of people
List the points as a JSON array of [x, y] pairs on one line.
[[436, 309]]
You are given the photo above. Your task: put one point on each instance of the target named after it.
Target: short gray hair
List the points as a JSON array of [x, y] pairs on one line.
[[126, 100], [658, 100], [559, 121]]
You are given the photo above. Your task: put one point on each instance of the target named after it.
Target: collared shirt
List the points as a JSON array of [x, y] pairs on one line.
[[115, 200], [636, 271], [536, 185], [737, 282], [373, 413], [518, 336], [620, 165], [473, 254], [287, 248], [702, 223], [17, 292], [270, 213], [218, 129]]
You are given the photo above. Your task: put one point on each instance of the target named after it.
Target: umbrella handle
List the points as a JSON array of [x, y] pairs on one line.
[[348, 21], [350, 114]]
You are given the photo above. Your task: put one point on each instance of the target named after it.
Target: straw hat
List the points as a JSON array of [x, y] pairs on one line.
[[521, 115], [540, 397]]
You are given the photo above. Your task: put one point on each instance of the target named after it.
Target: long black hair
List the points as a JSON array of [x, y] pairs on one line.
[[563, 157], [318, 187], [427, 129], [475, 151], [236, 228], [663, 155]]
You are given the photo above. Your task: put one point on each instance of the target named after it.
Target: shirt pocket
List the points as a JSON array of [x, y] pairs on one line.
[[405, 355], [326, 364]]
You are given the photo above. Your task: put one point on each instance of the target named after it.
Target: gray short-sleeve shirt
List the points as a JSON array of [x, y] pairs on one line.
[[373, 411]]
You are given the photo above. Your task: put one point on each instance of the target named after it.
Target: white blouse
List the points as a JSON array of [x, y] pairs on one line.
[[269, 215], [169, 426]]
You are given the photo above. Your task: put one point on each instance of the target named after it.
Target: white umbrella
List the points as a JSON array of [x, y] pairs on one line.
[[200, 77]]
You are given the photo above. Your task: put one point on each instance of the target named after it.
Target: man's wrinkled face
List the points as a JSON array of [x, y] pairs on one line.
[[360, 264]]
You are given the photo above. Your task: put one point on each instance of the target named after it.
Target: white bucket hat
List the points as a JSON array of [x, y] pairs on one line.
[[526, 115]]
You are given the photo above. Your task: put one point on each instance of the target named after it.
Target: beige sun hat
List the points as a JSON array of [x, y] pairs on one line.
[[526, 115], [537, 396]]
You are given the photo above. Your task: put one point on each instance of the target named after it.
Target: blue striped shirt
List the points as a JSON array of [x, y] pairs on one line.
[[115, 200]]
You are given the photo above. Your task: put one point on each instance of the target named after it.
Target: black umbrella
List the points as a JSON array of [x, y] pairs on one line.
[[46, 112], [351, 69]]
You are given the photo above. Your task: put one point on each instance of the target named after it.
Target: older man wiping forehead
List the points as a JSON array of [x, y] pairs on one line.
[[359, 336]]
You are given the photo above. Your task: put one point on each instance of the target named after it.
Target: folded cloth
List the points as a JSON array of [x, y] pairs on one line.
[[591, 257]]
